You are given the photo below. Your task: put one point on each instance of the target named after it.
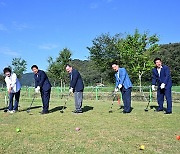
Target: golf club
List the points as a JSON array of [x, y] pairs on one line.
[[29, 109], [114, 96], [62, 111], [6, 103], [150, 96]]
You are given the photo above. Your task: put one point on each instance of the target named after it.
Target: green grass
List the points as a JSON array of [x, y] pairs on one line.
[[100, 131]]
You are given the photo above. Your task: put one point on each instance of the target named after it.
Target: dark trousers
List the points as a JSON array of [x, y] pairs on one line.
[[45, 95], [126, 96], [78, 96], [16, 102], [161, 93]]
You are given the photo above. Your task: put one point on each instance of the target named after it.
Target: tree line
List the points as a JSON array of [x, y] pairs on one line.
[[134, 51]]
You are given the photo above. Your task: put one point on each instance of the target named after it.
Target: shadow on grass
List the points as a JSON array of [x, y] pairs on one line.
[[34, 107], [87, 108], [155, 107], [58, 108], [4, 108]]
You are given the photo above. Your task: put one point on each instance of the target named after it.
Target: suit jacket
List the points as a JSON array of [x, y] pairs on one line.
[[42, 80], [122, 78], [165, 77], [76, 81]]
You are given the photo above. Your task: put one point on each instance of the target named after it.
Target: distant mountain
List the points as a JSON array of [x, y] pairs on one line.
[[27, 79]]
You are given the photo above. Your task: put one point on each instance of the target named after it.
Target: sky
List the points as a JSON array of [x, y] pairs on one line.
[[36, 29]]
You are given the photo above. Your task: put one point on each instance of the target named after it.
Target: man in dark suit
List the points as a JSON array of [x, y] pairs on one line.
[[42, 85], [76, 87], [162, 78]]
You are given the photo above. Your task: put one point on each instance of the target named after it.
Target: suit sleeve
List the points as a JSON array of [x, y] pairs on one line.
[[153, 78], [117, 81], [75, 76], [167, 73], [122, 76], [36, 84], [42, 78]]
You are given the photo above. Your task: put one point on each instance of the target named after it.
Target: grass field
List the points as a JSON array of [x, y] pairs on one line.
[[100, 131]]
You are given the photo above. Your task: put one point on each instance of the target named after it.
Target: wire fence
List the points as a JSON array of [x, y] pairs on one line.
[[143, 93]]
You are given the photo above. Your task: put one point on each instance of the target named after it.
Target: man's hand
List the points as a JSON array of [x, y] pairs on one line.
[[71, 90], [120, 86], [153, 88], [9, 90], [162, 86], [116, 90], [37, 90]]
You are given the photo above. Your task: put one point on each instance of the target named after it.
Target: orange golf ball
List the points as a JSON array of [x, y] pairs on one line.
[[178, 137]]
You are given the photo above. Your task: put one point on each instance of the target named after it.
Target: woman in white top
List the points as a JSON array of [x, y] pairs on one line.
[[14, 88]]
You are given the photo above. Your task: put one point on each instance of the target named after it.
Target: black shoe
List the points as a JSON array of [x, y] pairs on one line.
[[158, 110], [75, 111], [43, 112], [124, 112], [168, 113]]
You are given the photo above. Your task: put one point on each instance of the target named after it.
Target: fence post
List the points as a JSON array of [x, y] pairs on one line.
[[97, 92], [150, 94]]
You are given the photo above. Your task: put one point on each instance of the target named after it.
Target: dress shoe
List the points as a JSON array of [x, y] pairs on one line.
[[158, 110], [43, 112], [168, 113]]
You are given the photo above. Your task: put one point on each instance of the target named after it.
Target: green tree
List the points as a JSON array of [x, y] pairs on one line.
[[104, 52], [19, 66], [137, 49], [56, 68]]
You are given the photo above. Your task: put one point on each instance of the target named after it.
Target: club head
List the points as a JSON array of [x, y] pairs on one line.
[[61, 111], [146, 110], [110, 111], [28, 111], [5, 110]]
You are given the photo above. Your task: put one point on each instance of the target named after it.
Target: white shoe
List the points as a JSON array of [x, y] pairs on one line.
[[12, 111]]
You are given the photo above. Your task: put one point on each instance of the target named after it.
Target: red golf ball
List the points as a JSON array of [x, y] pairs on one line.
[[178, 137]]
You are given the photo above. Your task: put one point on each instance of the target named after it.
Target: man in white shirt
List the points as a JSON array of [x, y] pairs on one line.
[[14, 88]]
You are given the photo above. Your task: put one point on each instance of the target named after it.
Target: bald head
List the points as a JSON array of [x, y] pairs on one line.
[[115, 67]]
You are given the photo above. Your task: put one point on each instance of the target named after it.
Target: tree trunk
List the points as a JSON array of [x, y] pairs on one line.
[[61, 85]]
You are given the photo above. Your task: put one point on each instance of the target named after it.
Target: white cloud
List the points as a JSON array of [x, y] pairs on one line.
[[48, 46], [93, 6], [8, 52], [2, 28], [20, 26]]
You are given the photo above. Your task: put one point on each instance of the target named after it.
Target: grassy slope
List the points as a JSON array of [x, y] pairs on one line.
[[101, 132]]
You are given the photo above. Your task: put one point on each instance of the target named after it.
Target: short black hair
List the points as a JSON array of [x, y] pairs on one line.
[[68, 65], [7, 69], [156, 59], [34, 66]]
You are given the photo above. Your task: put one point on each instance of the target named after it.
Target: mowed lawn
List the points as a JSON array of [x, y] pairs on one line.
[[100, 131]]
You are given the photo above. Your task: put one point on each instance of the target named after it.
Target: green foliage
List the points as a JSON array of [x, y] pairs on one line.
[[56, 69], [104, 52], [19, 66], [90, 75], [132, 52], [136, 50], [170, 55]]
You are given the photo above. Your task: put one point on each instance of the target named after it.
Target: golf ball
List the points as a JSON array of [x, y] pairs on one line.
[[142, 147], [178, 137], [77, 129], [18, 130]]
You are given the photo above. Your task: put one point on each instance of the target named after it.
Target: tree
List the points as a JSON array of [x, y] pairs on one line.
[[56, 69], [104, 52], [137, 49], [19, 66], [170, 55]]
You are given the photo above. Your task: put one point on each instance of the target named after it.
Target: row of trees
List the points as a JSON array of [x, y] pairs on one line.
[[134, 52]]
